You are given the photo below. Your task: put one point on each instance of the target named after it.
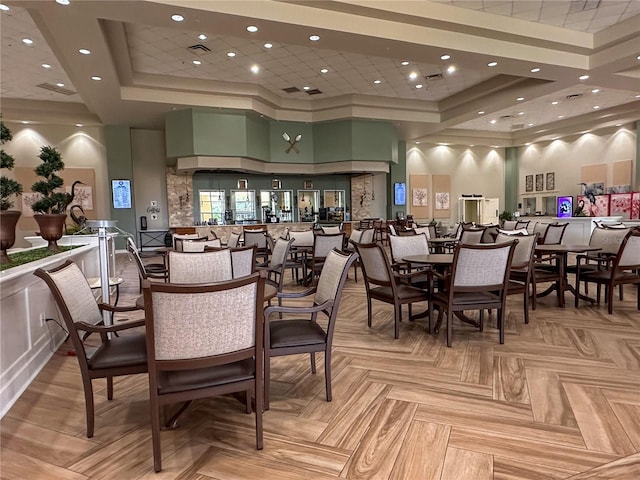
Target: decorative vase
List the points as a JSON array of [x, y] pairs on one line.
[[8, 222], [51, 228]]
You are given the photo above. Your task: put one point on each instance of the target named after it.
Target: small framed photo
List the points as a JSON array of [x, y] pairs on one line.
[[551, 181], [308, 184], [528, 183], [276, 184], [539, 182], [243, 184]]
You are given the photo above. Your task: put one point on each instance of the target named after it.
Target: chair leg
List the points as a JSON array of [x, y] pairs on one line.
[[481, 318], [155, 433], [449, 328], [109, 388], [577, 295], [313, 362], [327, 373], [88, 403], [369, 311], [247, 401], [267, 379], [501, 324], [259, 407], [526, 306], [610, 291], [397, 312]]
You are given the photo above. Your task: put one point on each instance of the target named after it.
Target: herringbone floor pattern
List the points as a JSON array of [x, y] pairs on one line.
[[559, 400]]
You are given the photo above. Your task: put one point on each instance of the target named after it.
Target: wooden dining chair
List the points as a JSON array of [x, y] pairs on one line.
[[358, 236], [151, 271], [115, 356], [385, 285], [304, 333], [204, 340], [322, 245], [478, 281], [205, 267]]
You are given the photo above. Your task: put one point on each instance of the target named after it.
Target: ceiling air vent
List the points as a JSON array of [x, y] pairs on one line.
[[57, 89], [431, 78], [573, 96], [517, 126], [291, 89], [315, 91], [506, 117], [198, 47]]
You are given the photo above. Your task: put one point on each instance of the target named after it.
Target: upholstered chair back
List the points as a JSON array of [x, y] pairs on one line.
[[411, 245], [482, 266], [206, 267]]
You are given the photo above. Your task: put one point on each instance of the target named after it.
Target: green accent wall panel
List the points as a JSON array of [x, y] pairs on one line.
[[219, 134], [397, 173], [373, 141], [120, 165], [258, 143], [333, 142], [511, 180], [179, 133]]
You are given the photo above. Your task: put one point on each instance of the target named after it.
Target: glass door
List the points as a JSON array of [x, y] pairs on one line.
[[308, 204]]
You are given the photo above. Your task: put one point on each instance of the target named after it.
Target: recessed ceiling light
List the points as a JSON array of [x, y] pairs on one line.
[[520, 113], [419, 85], [560, 116], [555, 102], [596, 107], [63, 2], [252, 29], [555, 138], [85, 51], [255, 68], [27, 41], [495, 146], [492, 64], [268, 45], [404, 63], [481, 112], [584, 77], [324, 70], [79, 125], [25, 122], [492, 122], [231, 54], [377, 81], [413, 76], [46, 65], [3, 7], [417, 143], [314, 38], [60, 84], [472, 145], [535, 70], [520, 99], [638, 96], [446, 56], [196, 62], [177, 18], [618, 124], [451, 69], [202, 36], [638, 57], [306, 87], [527, 144], [595, 90], [530, 124], [96, 78]]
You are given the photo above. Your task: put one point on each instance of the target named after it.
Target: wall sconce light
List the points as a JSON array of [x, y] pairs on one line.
[[292, 143]]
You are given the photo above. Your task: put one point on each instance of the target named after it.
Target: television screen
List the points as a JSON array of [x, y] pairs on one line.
[[121, 193], [565, 207], [400, 193]]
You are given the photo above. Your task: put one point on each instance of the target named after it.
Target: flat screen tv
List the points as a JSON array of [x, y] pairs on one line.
[[565, 207], [400, 193], [121, 193]]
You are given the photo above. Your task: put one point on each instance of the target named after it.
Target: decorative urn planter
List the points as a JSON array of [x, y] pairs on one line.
[[8, 222], [51, 228]]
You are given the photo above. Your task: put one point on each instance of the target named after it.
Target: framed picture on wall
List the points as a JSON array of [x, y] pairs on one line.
[[539, 182], [308, 184], [420, 197], [528, 183], [551, 180], [243, 184], [121, 190], [620, 204], [635, 206]]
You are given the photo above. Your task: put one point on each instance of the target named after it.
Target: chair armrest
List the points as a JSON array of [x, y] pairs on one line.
[[87, 327], [409, 276], [283, 309], [112, 308]]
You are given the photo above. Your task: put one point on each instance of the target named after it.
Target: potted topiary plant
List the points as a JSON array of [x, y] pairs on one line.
[[8, 188], [50, 208]]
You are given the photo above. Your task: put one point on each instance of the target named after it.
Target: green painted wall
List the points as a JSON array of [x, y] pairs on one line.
[[179, 133], [257, 137], [397, 173], [120, 166], [373, 141], [332, 141], [219, 134], [511, 179]]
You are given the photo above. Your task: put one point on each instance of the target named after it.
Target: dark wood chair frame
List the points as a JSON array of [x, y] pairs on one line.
[[106, 350], [252, 387], [329, 308]]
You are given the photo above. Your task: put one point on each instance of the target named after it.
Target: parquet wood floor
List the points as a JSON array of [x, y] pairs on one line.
[[559, 400]]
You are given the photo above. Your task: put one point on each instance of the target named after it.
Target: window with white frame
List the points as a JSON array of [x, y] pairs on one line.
[[212, 206]]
